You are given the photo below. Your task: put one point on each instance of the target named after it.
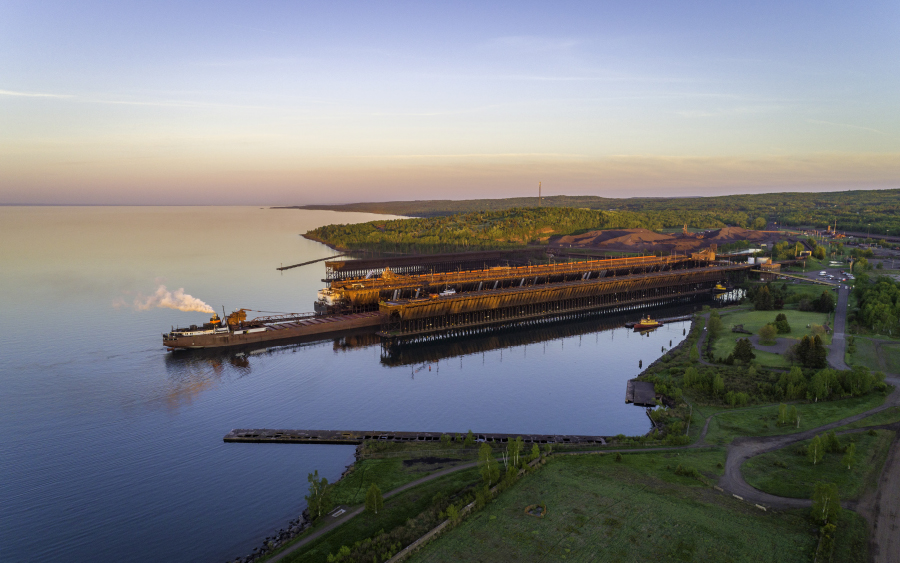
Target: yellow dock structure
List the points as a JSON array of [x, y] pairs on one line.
[[360, 294], [464, 311]]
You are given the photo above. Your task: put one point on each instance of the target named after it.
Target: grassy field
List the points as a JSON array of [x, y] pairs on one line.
[[762, 421], [755, 320], [865, 354], [636, 510], [396, 511], [877, 354], [787, 472], [887, 416]]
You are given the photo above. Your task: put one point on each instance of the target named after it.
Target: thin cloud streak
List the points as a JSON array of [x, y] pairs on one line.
[[33, 94], [847, 125]]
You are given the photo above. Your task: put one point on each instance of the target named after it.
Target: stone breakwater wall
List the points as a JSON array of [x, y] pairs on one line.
[[293, 529]]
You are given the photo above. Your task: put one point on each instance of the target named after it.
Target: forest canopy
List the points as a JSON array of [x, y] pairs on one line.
[[511, 228], [875, 211]]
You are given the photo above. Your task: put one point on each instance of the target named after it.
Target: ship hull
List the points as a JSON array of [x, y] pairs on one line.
[[244, 337]]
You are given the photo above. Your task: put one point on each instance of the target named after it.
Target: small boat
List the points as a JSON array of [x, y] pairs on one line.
[[646, 323]]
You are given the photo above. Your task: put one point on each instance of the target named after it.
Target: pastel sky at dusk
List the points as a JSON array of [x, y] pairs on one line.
[[288, 102]]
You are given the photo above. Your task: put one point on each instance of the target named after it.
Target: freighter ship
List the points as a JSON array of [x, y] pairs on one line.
[[236, 330]]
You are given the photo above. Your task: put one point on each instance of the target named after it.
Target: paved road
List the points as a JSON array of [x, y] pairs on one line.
[[780, 347], [838, 342], [357, 511]]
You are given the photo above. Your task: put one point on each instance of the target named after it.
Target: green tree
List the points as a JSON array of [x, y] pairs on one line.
[[470, 440], [831, 443], [692, 378], [535, 452], [819, 252], [760, 223], [815, 450], [718, 385], [824, 303], [318, 501], [446, 440], [694, 354], [763, 300], [781, 324], [743, 350], [515, 448], [823, 384], [849, 455], [374, 499], [782, 414], [490, 471], [767, 334], [810, 352], [826, 504], [452, 513], [794, 416], [715, 326]]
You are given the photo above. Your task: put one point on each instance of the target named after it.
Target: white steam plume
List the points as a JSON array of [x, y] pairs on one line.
[[177, 299]]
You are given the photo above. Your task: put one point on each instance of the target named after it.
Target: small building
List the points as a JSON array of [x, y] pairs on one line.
[[770, 271]]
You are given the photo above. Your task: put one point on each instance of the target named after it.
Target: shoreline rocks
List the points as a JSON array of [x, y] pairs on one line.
[[293, 529]]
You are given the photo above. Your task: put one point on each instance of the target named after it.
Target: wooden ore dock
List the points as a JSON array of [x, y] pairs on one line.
[[264, 435]]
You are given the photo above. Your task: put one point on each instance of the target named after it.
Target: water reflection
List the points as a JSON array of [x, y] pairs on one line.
[[426, 352], [191, 372]]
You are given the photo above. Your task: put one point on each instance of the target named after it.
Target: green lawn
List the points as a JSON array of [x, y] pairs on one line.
[[636, 510], [877, 354], [787, 472], [762, 421], [396, 511], [755, 320]]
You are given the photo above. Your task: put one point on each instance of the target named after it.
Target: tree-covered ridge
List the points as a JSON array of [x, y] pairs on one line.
[[859, 211], [477, 231]]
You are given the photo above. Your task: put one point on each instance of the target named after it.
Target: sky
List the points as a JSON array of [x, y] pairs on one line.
[[290, 102]]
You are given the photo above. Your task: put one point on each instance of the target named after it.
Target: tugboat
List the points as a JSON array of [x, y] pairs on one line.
[[646, 324]]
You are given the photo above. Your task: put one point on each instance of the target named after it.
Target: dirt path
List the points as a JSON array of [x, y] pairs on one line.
[[357, 511], [881, 508], [879, 355]]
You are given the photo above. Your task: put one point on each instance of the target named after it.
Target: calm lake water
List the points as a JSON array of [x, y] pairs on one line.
[[111, 448]]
